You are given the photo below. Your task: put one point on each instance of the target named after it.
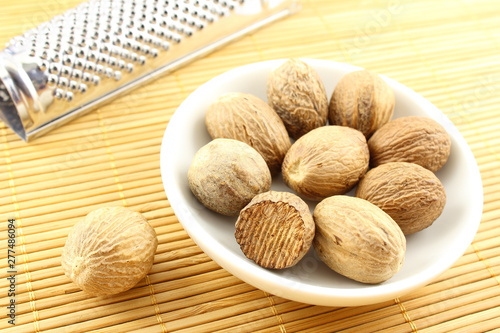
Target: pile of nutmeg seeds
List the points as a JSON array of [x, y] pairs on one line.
[[322, 148]]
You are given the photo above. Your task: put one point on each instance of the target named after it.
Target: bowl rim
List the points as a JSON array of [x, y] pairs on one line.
[[278, 285]]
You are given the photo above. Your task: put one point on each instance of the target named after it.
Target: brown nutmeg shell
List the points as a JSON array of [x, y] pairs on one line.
[[361, 100], [328, 160], [412, 139], [297, 94], [249, 119], [226, 174], [357, 239], [109, 251], [412, 195]]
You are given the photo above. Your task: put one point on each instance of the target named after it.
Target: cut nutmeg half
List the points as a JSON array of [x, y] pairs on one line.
[[275, 229]]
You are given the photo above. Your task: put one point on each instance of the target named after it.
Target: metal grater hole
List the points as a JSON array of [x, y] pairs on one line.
[[76, 74], [68, 96], [92, 56], [58, 93], [73, 85], [90, 67], [136, 47], [103, 58], [82, 87], [62, 82], [81, 42], [87, 77], [54, 57], [99, 69], [44, 65], [68, 50], [145, 49], [125, 54], [52, 80], [54, 68], [96, 80], [68, 60], [117, 75], [79, 63], [108, 72], [116, 41], [112, 61], [80, 53], [66, 71]]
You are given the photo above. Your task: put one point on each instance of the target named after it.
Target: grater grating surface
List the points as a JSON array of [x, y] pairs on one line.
[[103, 48]]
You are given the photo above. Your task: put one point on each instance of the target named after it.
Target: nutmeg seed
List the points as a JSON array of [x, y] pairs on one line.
[[357, 239], [295, 91], [109, 251], [226, 174], [249, 119], [275, 229], [413, 139], [326, 161], [412, 195], [361, 100]]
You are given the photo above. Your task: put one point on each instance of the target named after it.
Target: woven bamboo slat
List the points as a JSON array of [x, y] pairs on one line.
[[446, 51]]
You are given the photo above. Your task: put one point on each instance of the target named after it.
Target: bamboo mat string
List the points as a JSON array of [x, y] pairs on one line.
[[406, 315], [20, 243], [275, 312], [155, 305], [485, 262]]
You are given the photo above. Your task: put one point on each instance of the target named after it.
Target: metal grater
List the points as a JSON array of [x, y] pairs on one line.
[[103, 48]]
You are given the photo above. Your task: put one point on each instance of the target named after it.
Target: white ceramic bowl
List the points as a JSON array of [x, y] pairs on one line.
[[429, 252]]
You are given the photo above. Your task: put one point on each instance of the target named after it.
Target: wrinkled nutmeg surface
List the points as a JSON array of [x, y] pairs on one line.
[[326, 161], [357, 239], [275, 229], [361, 100], [109, 251], [413, 139], [412, 195], [226, 174], [249, 119], [297, 94]]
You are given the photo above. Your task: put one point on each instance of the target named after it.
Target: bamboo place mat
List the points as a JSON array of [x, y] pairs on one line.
[[448, 51]]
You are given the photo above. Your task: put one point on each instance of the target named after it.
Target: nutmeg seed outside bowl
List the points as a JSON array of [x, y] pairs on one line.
[[429, 252]]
